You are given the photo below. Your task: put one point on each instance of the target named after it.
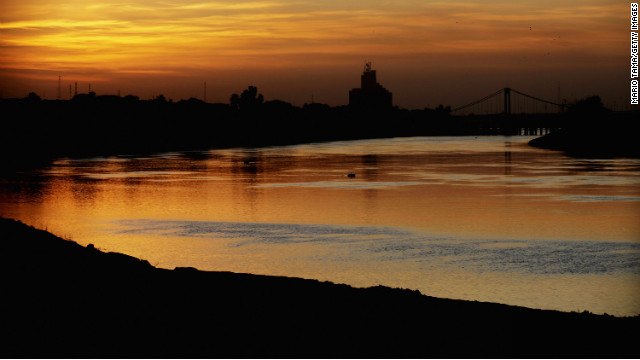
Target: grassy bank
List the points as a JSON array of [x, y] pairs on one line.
[[61, 299]]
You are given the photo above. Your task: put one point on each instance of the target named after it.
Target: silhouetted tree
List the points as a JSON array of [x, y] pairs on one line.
[[590, 105], [193, 100], [235, 101], [249, 99], [588, 112], [160, 99], [278, 106], [443, 109], [33, 97]]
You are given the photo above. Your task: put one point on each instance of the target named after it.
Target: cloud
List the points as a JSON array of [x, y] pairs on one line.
[[196, 35]]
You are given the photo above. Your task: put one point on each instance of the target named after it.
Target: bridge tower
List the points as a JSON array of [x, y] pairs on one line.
[[507, 101]]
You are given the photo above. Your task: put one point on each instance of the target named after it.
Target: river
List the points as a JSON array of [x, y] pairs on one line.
[[476, 218]]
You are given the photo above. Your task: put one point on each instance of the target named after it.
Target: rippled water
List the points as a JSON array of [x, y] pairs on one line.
[[478, 218], [366, 243]]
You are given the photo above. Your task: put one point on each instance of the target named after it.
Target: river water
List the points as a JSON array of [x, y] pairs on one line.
[[476, 218]]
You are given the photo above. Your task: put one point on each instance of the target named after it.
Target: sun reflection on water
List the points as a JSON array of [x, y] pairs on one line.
[[479, 218]]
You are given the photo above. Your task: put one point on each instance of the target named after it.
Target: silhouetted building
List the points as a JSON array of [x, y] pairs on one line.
[[370, 95]]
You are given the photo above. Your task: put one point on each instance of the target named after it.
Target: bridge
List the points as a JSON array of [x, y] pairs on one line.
[[509, 101], [509, 111]]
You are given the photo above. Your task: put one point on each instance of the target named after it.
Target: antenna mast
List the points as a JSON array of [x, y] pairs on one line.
[[205, 92], [59, 89]]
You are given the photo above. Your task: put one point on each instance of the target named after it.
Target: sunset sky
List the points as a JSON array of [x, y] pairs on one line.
[[426, 52]]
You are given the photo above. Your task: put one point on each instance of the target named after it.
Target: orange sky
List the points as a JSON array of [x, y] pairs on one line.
[[426, 52]]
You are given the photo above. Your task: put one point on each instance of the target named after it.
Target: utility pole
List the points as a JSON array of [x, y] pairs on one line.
[[59, 89], [205, 91]]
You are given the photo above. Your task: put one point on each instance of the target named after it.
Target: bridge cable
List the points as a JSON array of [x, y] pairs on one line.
[[478, 101], [535, 98]]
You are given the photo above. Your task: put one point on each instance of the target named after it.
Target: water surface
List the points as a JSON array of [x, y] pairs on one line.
[[478, 218]]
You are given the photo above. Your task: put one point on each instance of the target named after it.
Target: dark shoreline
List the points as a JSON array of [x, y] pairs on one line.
[[600, 134], [38, 131], [591, 143], [65, 300]]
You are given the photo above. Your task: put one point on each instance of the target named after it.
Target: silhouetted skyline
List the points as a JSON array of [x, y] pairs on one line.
[[426, 53]]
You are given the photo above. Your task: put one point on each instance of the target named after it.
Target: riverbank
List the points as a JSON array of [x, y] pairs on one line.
[[65, 300], [39, 131], [613, 135], [592, 143]]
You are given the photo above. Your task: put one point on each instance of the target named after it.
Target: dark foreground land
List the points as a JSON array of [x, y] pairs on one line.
[[61, 299]]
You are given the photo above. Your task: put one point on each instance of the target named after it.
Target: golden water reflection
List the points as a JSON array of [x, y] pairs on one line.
[[456, 188]]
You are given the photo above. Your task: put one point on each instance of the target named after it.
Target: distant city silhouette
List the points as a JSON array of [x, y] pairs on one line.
[[91, 125]]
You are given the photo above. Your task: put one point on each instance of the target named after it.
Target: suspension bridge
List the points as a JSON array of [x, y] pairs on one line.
[[509, 101], [512, 111]]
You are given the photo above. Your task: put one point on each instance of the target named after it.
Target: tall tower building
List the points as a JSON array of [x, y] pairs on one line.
[[370, 95]]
